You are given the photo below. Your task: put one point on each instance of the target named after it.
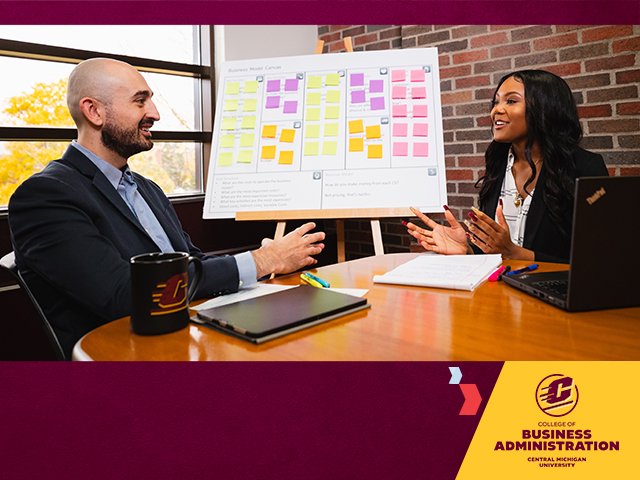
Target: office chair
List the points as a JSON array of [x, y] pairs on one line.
[[32, 332]]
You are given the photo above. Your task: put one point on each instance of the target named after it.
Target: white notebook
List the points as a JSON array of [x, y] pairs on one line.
[[462, 272]]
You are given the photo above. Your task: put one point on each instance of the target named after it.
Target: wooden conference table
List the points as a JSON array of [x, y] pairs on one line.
[[494, 322]]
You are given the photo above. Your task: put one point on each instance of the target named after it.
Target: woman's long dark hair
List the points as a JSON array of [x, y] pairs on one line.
[[552, 122]]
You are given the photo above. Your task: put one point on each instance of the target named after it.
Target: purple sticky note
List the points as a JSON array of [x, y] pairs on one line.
[[376, 86], [290, 106], [398, 91], [399, 129], [273, 102], [420, 149], [420, 129], [357, 80], [273, 86], [418, 92], [399, 110], [377, 103], [357, 96], [398, 76], [419, 111], [400, 149], [291, 85], [417, 75]]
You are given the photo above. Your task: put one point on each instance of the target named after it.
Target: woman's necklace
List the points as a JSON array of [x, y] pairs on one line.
[[519, 199]]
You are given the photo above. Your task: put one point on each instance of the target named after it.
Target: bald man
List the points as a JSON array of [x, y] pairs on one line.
[[76, 224]]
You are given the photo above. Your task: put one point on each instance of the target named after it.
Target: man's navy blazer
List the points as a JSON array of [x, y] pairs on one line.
[[73, 236]]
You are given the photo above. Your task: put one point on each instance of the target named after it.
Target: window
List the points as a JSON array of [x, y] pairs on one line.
[[35, 125]]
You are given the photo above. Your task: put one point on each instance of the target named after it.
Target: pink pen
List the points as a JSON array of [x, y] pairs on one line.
[[496, 275]]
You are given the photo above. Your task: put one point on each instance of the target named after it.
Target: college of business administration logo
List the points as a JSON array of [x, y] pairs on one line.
[[557, 395], [170, 296]]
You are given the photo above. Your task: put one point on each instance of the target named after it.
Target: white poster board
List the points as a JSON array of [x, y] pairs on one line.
[[328, 136]]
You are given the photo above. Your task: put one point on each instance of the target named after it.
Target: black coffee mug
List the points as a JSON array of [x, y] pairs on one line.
[[161, 291]]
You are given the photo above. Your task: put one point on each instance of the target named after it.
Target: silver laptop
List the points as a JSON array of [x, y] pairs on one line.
[[604, 270]]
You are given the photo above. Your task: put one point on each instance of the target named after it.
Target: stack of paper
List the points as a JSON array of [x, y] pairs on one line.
[[462, 272]]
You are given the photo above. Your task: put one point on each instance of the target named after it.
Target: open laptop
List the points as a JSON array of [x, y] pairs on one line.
[[605, 250]]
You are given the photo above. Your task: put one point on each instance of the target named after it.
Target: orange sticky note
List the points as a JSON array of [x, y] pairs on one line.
[[374, 151], [287, 135], [286, 157], [268, 152], [356, 126], [356, 144], [269, 131], [373, 131]]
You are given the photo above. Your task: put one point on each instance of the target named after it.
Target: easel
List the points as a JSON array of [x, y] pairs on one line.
[[378, 247]]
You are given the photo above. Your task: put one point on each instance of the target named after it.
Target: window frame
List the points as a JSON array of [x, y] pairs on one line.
[[205, 106]]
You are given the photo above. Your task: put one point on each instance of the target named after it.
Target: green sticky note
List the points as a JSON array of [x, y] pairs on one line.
[[312, 131], [314, 81], [246, 140], [225, 159], [332, 79], [329, 148], [229, 123], [311, 148], [313, 114], [248, 122], [313, 98], [245, 156], [232, 88], [250, 86], [330, 129], [250, 105], [333, 96], [227, 141], [332, 112]]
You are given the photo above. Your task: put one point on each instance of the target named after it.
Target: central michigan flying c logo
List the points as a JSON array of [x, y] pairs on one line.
[[557, 395], [170, 296]]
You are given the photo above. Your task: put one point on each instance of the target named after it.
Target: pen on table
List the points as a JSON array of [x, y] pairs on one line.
[[528, 268], [310, 281], [506, 270], [496, 275], [322, 282]]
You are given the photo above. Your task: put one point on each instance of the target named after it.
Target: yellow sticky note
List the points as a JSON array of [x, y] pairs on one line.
[[333, 96], [287, 135], [356, 144], [245, 156], [332, 112], [250, 86], [229, 123], [313, 114], [329, 148], [314, 82], [250, 105], [356, 126], [313, 98], [225, 159], [268, 152], [332, 80], [373, 131], [330, 129], [232, 88], [248, 122], [312, 131], [227, 141], [286, 157], [247, 139], [230, 105], [311, 148], [269, 131], [374, 151]]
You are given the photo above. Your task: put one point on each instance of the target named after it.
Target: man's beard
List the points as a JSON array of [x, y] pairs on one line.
[[125, 142]]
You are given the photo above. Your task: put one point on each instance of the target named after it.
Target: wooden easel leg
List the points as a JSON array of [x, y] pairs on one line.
[[378, 247], [340, 237]]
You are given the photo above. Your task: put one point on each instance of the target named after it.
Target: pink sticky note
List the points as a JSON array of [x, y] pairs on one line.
[[273, 102], [377, 103], [398, 91], [420, 129], [420, 149], [273, 86], [417, 75], [376, 86], [399, 110], [419, 111], [418, 92], [357, 96], [398, 76], [399, 129], [400, 149], [290, 106]]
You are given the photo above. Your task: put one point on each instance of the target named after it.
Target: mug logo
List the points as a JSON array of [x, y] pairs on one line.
[[170, 296], [557, 395]]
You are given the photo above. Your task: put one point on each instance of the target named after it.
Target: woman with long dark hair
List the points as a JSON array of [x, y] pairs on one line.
[[526, 193]]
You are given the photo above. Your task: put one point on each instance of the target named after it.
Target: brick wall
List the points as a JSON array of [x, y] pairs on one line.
[[600, 63]]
